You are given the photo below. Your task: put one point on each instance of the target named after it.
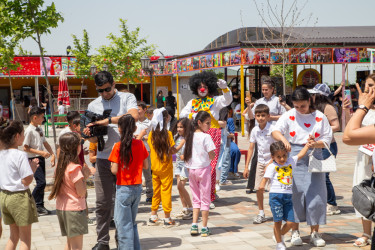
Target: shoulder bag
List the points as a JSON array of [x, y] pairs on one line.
[[363, 198], [322, 166]]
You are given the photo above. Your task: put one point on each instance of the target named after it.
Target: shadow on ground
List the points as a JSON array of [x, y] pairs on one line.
[[160, 243]]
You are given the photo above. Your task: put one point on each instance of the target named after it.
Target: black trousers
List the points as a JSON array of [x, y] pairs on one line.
[[253, 169], [40, 178]]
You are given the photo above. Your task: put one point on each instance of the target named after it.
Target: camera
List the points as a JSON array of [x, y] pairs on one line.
[[96, 130]]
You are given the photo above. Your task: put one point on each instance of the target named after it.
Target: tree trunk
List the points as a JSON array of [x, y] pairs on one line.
[[80, 94], [12, 96]]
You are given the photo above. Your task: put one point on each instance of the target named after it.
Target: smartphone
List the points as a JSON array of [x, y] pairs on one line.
[[283, 98], [349, 96]]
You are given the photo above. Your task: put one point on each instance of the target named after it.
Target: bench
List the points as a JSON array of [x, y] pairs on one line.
[[47, 123], [243, 151]]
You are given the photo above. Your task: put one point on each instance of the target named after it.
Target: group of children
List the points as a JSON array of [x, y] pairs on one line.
[[130, 158]]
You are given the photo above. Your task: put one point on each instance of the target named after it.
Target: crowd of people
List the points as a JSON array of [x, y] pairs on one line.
[[142, 141]]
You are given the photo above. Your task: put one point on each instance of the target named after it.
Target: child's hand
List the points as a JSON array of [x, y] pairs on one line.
[[45, 154], [182, 157], [34, 164], [92, 170], [53, 160]]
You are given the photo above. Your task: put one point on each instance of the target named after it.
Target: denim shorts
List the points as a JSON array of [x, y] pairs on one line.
[[281, 207], [181, 170]]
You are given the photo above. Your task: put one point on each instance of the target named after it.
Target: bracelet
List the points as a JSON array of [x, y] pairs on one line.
[[225, 90]]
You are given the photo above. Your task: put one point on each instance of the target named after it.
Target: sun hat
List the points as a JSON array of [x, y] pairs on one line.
[[320, 88]]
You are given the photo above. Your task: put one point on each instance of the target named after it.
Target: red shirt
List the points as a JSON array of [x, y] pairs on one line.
[[132, 174]]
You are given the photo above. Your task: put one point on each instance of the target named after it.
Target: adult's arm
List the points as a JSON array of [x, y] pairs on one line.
[[332, 117], [338, 90], [354, 134], [185, 112], [279, 137]]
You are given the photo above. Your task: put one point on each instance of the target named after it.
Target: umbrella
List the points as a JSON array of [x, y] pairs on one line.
[[63, 94]]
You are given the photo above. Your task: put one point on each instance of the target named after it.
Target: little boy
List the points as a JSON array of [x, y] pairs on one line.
[[261, 135], [143, 129], [70, 116], [34, 144]]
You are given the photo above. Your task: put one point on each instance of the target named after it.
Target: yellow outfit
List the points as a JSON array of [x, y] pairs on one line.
[[162, 177]]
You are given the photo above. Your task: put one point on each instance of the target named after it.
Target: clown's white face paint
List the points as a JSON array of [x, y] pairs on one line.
[[202, 90]]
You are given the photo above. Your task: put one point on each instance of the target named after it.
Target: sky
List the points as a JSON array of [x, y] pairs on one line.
[[178, 27]]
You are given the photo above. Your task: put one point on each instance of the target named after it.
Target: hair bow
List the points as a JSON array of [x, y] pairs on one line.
[[157, 118]]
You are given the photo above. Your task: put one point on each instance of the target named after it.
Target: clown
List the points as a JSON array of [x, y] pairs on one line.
[[205, 85]]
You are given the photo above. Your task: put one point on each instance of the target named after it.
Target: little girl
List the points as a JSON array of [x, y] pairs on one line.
[[182, 128], [17, 204], [198, 153], [128, 157], [69, 189], [162, 147], [280, 197]]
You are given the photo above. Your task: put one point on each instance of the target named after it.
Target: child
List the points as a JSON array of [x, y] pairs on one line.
[[70, 116], [280, 174], [61, 110], [143, 128], [181, 129], [34, 145], [128, 157], [198, 153], [261, 135], [17, 205], [162, 147], [69, 189]]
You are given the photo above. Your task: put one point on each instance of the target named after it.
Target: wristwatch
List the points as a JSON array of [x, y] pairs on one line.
[[109, 120], [363, 107]]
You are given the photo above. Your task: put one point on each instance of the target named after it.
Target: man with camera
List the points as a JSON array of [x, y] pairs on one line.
[[118, 104]]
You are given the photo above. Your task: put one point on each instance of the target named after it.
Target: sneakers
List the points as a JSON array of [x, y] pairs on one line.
[[259, 219], [280, 246], [194, 230], [170, 223], [153, 222], [296, 238], [188, 215], [316, 240], [217, 187], [43, 211], [226, 183], [212, 205], [333, 210], [205, 232], [149, 200]]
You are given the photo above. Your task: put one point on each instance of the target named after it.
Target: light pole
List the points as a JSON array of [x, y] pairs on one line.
[[146, 66]]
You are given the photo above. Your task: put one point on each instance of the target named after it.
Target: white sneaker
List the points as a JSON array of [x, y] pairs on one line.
[[212, 205], [259, 219], [296, 238], [217, 187], [333, 210], [280, 246], [316, 240]]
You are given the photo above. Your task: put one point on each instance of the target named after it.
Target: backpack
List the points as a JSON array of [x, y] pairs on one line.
[[363, 198]]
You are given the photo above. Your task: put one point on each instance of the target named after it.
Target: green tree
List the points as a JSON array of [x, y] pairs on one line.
[[30, 19], [123, 55], [82, 64], [277, 71]]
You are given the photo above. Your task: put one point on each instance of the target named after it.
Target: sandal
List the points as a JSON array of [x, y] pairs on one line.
[[363, 241]]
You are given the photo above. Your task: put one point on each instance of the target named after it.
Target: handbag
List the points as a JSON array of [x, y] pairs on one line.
[[322, 166], [363, 198]]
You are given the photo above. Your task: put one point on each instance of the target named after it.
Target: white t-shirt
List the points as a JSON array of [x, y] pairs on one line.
[[61, 109], [63, 131], [15, 166], [202, 144], [281, 177], [34, 140], [297, 127], [264, 140], [146, 124]]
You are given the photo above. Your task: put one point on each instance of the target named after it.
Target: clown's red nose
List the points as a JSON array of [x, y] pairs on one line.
[[202, 89]]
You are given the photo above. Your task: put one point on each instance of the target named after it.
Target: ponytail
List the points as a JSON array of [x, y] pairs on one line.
[[127, 125]]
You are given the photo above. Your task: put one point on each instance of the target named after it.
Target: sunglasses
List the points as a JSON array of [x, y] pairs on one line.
[[39, 130], [106, 90]]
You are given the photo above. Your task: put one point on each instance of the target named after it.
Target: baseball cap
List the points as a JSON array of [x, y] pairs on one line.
[[320, 88]]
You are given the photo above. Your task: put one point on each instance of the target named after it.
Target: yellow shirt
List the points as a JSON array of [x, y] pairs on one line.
[[158, 165]]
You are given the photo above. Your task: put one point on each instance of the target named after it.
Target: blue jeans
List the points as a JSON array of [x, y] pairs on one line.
[[235, 156], [40, 179], [281, 207], [126, 209], [331, 196], [225, 164]]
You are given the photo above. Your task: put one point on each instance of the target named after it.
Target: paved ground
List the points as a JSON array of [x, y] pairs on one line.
[[230, 221]]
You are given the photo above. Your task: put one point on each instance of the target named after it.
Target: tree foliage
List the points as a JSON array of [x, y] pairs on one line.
[[81, 52], [123, 55], [277, 71]]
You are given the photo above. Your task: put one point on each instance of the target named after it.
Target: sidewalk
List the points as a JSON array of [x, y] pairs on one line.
[[230, 222]]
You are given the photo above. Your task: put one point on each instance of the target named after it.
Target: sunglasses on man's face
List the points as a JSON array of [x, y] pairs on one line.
[[106, 90]]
